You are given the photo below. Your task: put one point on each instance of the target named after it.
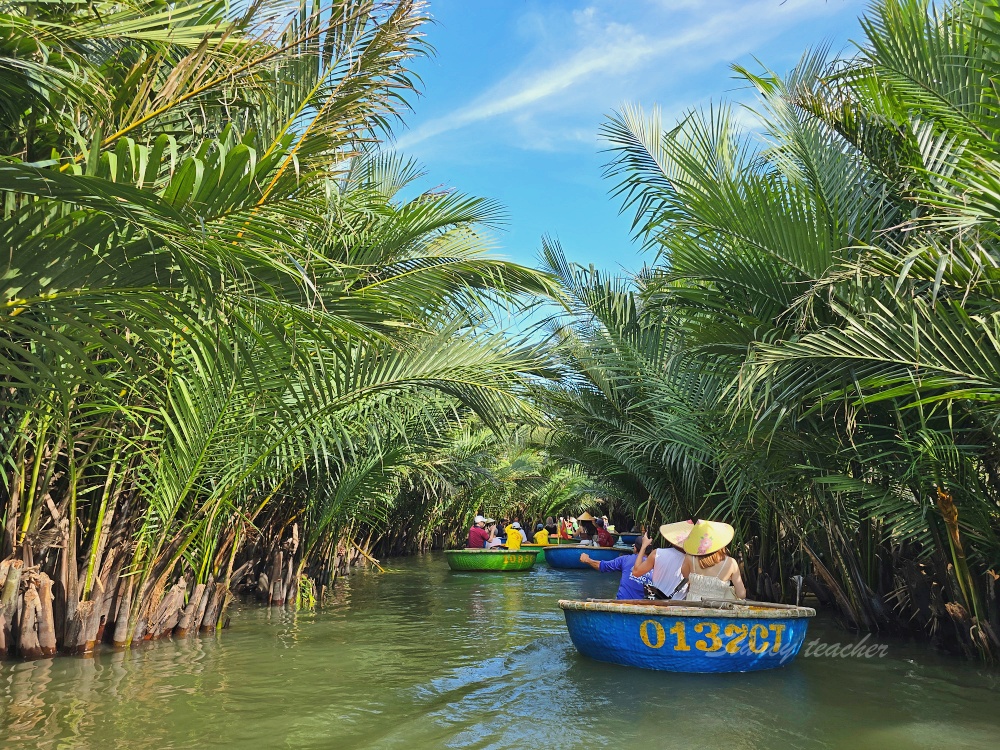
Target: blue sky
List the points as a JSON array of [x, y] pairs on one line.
[[517, 90]]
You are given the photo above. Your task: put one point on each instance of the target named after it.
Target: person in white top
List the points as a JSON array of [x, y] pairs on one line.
[[666, 562], [698, 555]]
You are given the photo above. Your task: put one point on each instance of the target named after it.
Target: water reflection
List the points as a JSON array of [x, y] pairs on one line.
[[424, 658]]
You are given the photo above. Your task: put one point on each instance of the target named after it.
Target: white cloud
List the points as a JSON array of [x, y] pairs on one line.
[[606, 60]]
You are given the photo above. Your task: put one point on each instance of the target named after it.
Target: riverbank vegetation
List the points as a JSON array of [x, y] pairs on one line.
[[240, 346], [813, 354], [233, 328]]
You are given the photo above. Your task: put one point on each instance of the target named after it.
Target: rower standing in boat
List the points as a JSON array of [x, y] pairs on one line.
[[631, 587]]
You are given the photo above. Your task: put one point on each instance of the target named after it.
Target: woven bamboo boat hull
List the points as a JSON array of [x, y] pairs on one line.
[[568, 557], [628, 539], [690, 638], [486, 560]]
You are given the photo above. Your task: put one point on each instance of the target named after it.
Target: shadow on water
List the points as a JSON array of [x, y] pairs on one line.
[[421, 657]]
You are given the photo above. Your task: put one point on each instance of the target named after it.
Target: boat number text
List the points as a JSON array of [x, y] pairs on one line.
[[710, 636]]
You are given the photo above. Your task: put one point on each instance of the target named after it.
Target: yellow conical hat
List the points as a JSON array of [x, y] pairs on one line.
[[585, 516], [707, 537], [676, 533]]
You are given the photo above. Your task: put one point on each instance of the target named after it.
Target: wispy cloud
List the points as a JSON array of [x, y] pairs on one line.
[[606, 59]]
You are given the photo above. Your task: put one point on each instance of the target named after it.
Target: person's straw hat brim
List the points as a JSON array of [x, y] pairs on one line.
[[676, 533], [585, 516], [707, 537]]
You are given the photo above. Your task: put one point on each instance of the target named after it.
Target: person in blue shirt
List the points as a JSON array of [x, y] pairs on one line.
[[631, 587]]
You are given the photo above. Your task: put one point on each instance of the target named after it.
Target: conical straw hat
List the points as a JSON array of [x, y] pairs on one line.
[[585, 516], [707, 537], [676, 533]]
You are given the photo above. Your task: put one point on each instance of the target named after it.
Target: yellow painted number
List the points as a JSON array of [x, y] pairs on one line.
[[737, 634], [778, 630], [757, 646], [661, 637], [711, 642], [678, 630]]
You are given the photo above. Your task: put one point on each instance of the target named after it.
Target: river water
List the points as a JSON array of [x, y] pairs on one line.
[[420, 657]]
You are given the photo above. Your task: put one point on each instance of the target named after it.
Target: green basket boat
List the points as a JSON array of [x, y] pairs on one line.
[[489, 559], [538, 549]]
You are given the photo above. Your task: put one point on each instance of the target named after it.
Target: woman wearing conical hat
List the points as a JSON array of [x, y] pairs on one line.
[[664, 564], [710, 571], [588, 531]]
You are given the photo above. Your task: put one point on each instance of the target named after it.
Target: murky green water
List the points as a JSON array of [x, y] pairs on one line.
[[424, 658]]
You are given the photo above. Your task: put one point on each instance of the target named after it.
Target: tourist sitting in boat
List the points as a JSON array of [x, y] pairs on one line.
[[603, 537], [587, 533], [481, 537], [630, 587], [566, 527], [550, 526], [710, 571], [541, 535], [515, 536], [664, 564]]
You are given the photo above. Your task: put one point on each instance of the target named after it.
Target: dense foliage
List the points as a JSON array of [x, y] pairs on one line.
[[233, 332], [814, 354], [239, 345]]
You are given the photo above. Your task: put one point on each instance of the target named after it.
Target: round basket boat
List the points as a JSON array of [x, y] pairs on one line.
[[738, 636], [554, 540], [628, 539], [489, 559], [568, 557]]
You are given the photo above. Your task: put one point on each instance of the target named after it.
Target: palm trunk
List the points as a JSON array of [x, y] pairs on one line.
[[46, 620], [8, 606], [199, 616], [190, 610], [29, 646], [120, 637]]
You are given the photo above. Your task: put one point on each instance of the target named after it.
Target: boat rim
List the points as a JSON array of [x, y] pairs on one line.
[[736, 609], [475, 551], [581, 546]]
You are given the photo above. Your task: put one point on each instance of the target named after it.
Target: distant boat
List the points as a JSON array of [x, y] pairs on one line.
[[489, 559], [628, 539], [717, 636], [568, 557]]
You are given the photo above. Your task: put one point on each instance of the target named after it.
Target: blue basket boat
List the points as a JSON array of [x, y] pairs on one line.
[[628, 539], [731, 636], [568, 557]]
